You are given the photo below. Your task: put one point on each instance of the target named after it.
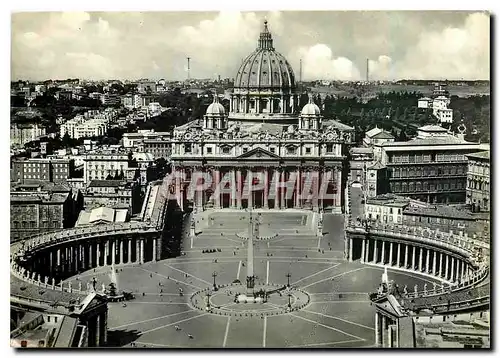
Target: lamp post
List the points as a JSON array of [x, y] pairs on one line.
[[214, 275], [289, 300], [288, 275]]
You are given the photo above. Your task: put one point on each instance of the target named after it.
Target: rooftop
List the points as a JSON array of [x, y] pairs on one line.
[[444, 211], [107, 183], [431, 141], [480, 155], [388, 199], [101, 214]]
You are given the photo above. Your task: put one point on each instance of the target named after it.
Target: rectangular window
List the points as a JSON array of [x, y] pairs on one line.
[[225, 150], [245, 150], [329, 148], [187, 148], [272, 150], [209, 150], [308, 150]]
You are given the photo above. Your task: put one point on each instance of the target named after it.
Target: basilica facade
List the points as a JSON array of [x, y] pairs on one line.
[[266, 152]]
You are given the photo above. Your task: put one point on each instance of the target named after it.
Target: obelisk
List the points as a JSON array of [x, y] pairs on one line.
[[250, 275]]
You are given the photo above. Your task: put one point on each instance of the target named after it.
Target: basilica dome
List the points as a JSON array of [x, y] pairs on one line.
[[265, 68]]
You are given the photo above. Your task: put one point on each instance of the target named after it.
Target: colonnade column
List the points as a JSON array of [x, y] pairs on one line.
[[382, 258], [399, 254], [137, 251], [276, 188], [447, 267], [434, 262], [413, 261], [350, 248], [406, 256], [375, 251], [217, 176], [420, 258], [377, 329], [106, 252], [427, 269], [363, 244], [459, 270], [129, 251], [154, 249], [113, 251], [390, 253], [441, 264], [121, 251], [142, 251], [452, 271], [367, 258]]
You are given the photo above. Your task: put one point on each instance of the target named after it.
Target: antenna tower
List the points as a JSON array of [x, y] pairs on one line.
[[189, 68]]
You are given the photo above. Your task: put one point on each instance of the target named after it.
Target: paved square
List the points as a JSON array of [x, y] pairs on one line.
[[339, 313]]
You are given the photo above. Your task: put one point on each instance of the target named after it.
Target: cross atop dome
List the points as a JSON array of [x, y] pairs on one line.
[[265, 39]]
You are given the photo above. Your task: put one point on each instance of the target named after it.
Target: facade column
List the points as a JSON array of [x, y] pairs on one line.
[[446, 272], [129, 251], [375, 251], [137, 251], [377, 330], [121, 251], [98, 254], [382, 259], [250, 186], [314, 176], [363, 244], [283, 202], [142, 250], [91, 259], [276, 191], [97, 331], [297, 192], [399, 254], [233, 189], [413, 255], [338, 188], [113, 251], [367, 256], [239, 184], [420, 258], [390, 253], [434, 262], [406, 256], [427, 268], [217, 176], [51, 262], [266, 188]]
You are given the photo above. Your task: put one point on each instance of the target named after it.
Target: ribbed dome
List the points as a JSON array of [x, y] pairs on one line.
[[215, 108], [265, 68], [311, 109]]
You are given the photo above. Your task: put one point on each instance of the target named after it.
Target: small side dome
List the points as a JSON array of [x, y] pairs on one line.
[[311, 109], [215, 108]]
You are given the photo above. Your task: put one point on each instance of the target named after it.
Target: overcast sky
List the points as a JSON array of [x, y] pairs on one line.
[[332, 45]]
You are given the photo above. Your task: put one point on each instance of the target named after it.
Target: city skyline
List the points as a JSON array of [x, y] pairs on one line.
[[333, 45]]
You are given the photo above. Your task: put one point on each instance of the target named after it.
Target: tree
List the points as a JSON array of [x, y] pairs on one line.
[[402, 136]]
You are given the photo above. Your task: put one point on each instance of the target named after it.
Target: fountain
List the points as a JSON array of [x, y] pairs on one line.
[[112, 292]]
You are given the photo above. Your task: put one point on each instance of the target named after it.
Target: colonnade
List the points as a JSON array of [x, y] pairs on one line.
[[386, 331], [272, 187], [407, 255], [97, 326], [77, 256]]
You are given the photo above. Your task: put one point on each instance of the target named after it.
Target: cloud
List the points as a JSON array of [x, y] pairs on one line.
[[455, 52], [138, 45]]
